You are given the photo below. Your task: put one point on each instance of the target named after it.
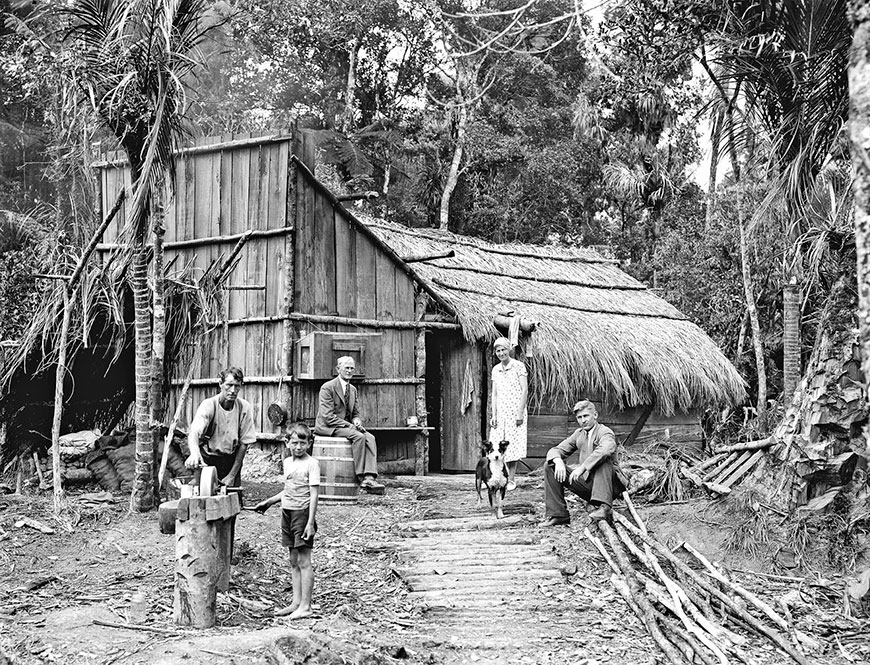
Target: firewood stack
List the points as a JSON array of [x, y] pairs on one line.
[[692, 616]]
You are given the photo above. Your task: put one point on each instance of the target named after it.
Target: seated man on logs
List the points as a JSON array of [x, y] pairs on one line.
[[222, 429], [338, 415], [598, 477]]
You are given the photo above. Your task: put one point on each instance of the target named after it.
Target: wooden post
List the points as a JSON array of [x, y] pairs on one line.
[[203, 545], [58, 400], [421, 445], [68, 289], [289, 266]]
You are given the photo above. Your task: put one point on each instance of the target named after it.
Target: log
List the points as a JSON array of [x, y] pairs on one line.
[[397, 467], [604, 553], [358, 196], [414, 258], [736, 588], [166, 515], [203, 543], [718, 468], [747, 445], [706, 464], [706, 586], [671, 625], [504, 322], [697, 624], [628, 502], [741, 470], [73, 476], [647, 615]]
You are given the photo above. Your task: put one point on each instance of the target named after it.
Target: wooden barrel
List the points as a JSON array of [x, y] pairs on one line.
[[338, 482]]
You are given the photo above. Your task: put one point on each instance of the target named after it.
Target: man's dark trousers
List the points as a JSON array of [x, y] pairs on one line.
[[365, 451], [600, 486]]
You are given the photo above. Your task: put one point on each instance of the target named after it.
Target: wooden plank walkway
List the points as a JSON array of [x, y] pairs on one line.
[[492, 586]]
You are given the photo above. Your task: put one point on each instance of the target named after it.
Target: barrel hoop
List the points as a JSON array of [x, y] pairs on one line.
[[327, 484]]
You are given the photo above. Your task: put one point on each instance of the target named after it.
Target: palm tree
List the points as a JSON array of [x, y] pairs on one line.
[[859, 126], [788, 59], [131, 60]]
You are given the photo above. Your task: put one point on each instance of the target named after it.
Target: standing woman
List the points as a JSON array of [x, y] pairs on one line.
[[508, 419]]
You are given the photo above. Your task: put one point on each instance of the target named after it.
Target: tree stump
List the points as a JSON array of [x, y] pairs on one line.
[[203, 546]]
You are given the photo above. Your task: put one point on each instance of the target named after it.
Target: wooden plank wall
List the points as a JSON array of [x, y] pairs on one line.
[[340, 271], [547, 428], [218, 193], [461, 432]]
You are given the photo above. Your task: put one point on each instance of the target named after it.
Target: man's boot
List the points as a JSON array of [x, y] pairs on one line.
[[603, 512]]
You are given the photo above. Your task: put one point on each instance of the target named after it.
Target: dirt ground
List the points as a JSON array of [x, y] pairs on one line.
[[56, 587]]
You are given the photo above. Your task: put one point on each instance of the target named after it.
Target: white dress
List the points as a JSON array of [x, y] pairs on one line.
[[509, 391]]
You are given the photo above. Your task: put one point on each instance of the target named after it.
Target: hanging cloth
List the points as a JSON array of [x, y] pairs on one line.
[[514, 331], [467, 387]]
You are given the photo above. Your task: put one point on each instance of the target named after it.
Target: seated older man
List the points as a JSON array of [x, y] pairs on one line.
[[596, 479]]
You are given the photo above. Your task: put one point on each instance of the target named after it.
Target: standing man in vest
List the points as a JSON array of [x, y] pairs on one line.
[[338, 415], [222, 429]]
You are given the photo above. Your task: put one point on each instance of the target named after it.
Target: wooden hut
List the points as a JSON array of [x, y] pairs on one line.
[[587, 330], [418, 310]]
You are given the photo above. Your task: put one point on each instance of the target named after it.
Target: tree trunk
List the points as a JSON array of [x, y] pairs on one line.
[[453, 174], [748, 291], [859, 131], [58, 399], [741, 339], [715, 135], [752, 311], [791, 337], [158, 343], [350, 87], [388, 168], [143, 480]]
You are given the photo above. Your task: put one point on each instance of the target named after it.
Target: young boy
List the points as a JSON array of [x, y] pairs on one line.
[[298, 526]]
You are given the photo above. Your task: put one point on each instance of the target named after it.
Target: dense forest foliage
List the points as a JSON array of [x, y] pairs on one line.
[[699, 142]]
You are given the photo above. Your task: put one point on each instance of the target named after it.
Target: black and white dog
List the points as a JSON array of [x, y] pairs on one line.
[[492, 472]]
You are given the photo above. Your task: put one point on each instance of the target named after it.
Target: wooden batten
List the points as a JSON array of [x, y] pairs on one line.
[[288, 333], [332, 320], [421, 457]]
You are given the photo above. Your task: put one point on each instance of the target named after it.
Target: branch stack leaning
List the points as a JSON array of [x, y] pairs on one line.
[[691, 615]]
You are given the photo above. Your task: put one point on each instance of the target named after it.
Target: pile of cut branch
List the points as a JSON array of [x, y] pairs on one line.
[[691, 615], [728, 466]]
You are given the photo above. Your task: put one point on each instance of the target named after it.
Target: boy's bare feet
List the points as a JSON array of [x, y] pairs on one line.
[[284, 611], [301, 613]]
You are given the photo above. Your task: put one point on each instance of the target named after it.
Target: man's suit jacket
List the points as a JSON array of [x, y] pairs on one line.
[[331, 409], [593, 447]]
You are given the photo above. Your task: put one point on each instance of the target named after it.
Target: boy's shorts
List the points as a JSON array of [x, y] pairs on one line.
[[293, 526]]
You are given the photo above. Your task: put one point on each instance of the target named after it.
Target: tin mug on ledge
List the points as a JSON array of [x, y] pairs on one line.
[[412, 421]]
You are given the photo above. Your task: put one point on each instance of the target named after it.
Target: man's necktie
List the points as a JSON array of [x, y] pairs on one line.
[[347, 400]]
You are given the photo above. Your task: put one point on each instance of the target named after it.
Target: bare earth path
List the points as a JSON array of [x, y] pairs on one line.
[[495, 591], [417, 576]]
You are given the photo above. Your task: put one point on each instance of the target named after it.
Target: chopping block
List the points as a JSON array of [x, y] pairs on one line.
[[204, 532]]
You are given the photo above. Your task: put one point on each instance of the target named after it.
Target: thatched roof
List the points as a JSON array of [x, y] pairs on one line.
[[601, 332]]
